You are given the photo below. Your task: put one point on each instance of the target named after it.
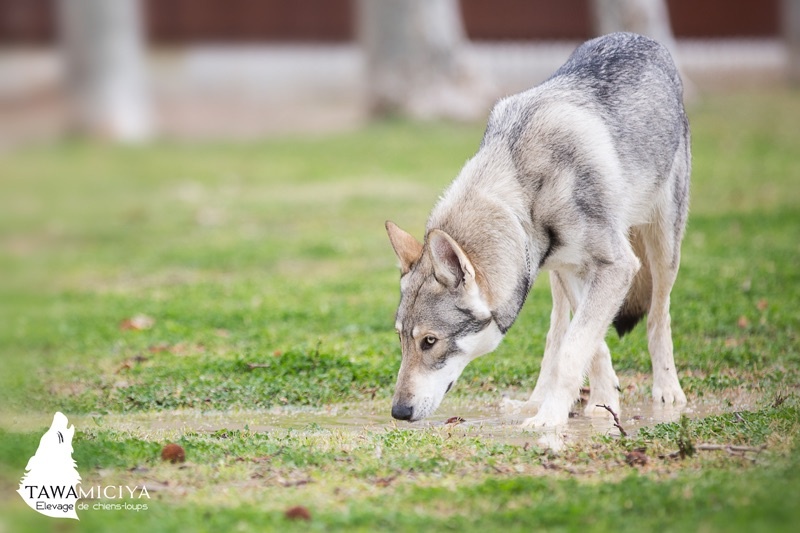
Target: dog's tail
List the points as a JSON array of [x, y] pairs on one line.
[[637, 301]]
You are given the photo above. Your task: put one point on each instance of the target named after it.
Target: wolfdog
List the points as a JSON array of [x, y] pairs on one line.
[[585, 176]]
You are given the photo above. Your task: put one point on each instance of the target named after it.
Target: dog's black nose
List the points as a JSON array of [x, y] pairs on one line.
[[402, 412]]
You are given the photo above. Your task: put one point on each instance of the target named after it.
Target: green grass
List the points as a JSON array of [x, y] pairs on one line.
[[272, 287]]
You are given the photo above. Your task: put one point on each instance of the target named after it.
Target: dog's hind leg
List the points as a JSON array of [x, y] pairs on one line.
[[663, 260], [662, 239], [603, 384]]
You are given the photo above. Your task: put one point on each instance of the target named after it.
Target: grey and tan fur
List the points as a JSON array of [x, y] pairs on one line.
[[586, 176]]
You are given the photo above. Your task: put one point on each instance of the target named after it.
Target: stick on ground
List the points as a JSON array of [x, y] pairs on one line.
[[617, 423], [731, 449]]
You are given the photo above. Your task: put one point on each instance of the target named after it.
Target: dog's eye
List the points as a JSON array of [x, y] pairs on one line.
[[428, 342]]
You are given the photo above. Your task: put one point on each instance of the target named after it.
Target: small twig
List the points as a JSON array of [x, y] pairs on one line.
[[385, 481], [617, 423], [294, 483], [499, 470], [780, 397], [251, 366], [549, 465], [264, 458], [729, 448]]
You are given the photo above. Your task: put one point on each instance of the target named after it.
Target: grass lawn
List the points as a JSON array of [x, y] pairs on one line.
[[238, 299]]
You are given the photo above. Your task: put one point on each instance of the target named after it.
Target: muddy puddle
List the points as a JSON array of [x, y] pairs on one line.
[[486, 419]]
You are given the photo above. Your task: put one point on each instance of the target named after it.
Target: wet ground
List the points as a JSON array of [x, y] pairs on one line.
[[476, 418]]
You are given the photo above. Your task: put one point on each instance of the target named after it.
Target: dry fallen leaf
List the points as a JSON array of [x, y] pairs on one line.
[[454, 420], [173, 453], [298, 512]]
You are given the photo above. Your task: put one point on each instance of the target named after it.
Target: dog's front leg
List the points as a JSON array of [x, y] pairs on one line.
[[606, 285], [563, 302]]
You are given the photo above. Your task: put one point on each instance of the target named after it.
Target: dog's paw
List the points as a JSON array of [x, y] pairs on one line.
[[669, 394]]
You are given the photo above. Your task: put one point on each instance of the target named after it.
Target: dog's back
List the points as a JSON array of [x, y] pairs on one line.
[[628, 81]]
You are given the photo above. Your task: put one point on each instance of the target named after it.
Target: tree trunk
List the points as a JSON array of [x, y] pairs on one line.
[[645, 17], [102, 46], [790, 18], [415, 60]]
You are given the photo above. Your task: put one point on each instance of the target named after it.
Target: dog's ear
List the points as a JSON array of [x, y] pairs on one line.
[[450, 264], [407, 248]]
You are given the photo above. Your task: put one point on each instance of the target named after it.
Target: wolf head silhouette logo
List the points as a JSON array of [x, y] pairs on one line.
[[49, 485]]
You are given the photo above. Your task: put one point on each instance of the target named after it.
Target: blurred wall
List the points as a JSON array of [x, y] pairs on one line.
[[331, 21]]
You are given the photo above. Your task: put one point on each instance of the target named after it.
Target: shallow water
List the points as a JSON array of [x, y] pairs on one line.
[[486, 419]]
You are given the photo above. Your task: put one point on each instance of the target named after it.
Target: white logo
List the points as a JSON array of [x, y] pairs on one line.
[[50, 483]]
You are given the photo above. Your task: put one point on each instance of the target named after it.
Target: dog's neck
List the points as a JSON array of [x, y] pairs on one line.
[[506, 314], [484, 211]]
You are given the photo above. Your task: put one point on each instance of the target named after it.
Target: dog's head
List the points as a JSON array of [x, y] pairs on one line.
[[443, 321]]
